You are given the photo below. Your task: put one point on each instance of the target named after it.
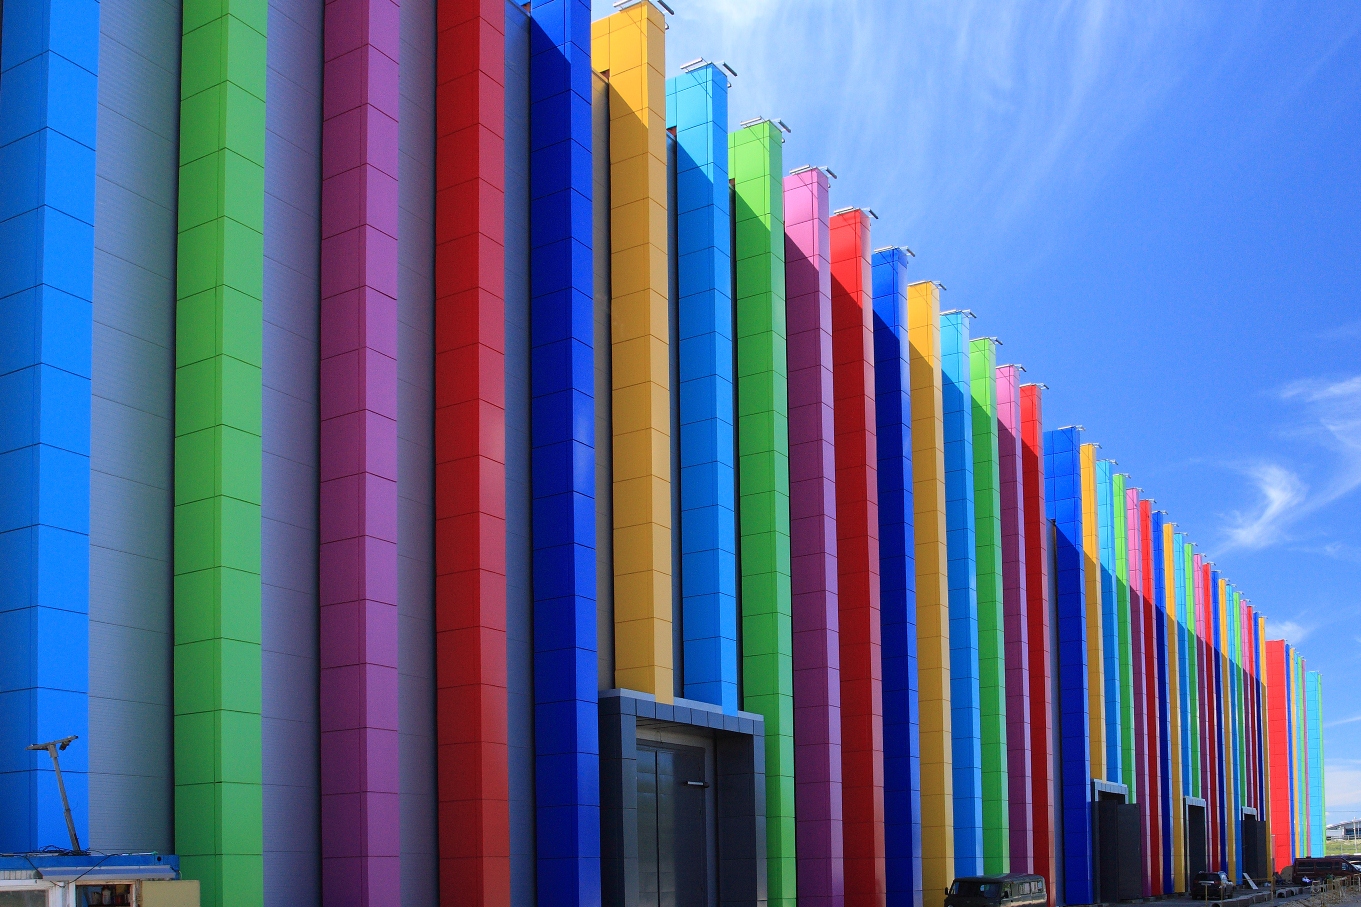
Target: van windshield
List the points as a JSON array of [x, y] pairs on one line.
[[972, 888]]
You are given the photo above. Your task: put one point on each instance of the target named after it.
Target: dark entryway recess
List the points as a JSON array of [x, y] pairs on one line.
[[1119, 848], [1195, 839], [672, 826], [1254, 848]]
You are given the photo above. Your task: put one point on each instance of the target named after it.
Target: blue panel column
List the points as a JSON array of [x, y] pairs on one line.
[[965, 704], [1063, 497], [562, 442], [697, 109], [897, 582], [48, 101]]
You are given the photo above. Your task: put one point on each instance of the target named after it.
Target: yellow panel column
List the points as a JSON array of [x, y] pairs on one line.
[[933, 606], [628, 49], [1091, 555]]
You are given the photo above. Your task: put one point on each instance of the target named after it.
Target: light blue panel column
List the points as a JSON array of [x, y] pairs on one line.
[[48, 102], [1063, 503], [965, 706], [1313, 704], [697, 108], [1110, 616], [897, 582]]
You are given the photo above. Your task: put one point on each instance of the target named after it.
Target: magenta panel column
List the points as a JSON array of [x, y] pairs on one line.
[[1016, 620], [812, 541], [358, 520]]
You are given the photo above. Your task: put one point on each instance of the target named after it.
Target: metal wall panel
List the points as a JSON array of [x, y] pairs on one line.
[[415, 454], [519, 513], [288, 567], [131, 421]]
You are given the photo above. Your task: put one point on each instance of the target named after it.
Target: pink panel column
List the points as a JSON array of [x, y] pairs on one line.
[[812, 540], [1135, 543], [1015, 619], [358, 558]]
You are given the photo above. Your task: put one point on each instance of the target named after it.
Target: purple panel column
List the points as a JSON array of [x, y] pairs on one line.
[[1016, 619], [812, 540], [358, 521]]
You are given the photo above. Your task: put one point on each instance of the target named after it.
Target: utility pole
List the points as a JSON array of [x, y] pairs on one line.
[[53, 747]]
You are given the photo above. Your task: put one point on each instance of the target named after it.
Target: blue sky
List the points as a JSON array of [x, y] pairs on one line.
[[1157, 208]]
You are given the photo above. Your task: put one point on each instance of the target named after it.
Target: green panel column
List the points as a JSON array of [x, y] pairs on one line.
[[1126, 650], [1187, 577], [756, 164], [217, 450], [992, 674]]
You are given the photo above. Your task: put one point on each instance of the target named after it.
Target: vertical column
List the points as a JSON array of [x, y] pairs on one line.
[[470, 502], [1091, 564], [992, 674], [966, 712], [1278, 751], [857, 532], [219, 271], [563, 441], [360, 821], [933, 614], [1155, 696], [1297, 676], [1124, 638], [1314, 703], [1134, 547], [897, 581], [1044, 698], [630, 47], [1188, 667], [1176, 702], [1110, 620], [813, 541], [1160, 535], [49, 81], [756, 160], [697, 105], [1065, 468], [1016, 618]]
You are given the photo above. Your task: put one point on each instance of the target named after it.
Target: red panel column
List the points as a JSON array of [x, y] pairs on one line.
[[1042, 690], [857, 538], [1278, 750], [470, 480]]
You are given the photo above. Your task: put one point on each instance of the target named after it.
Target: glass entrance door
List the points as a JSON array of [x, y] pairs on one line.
[[672, 826]]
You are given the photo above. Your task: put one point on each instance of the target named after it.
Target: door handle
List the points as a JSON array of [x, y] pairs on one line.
[[696, 784]]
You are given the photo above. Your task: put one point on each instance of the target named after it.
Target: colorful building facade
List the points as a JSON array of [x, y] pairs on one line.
[[446, 461]]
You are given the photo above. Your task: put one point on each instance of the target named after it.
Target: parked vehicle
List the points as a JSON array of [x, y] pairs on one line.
[[1320, 869], [1010, 890], [1212, 886]]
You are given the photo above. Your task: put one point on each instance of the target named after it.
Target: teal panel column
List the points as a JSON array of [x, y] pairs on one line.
[[1110, 621], [697, 108], [965, 705]]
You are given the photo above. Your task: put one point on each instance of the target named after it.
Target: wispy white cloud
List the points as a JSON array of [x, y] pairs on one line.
[[984, 110], [1327, 415], [1292, 630], [1281, 492], [1352, 720]]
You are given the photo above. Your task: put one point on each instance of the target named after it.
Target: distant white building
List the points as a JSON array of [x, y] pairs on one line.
[[1344, 831]]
